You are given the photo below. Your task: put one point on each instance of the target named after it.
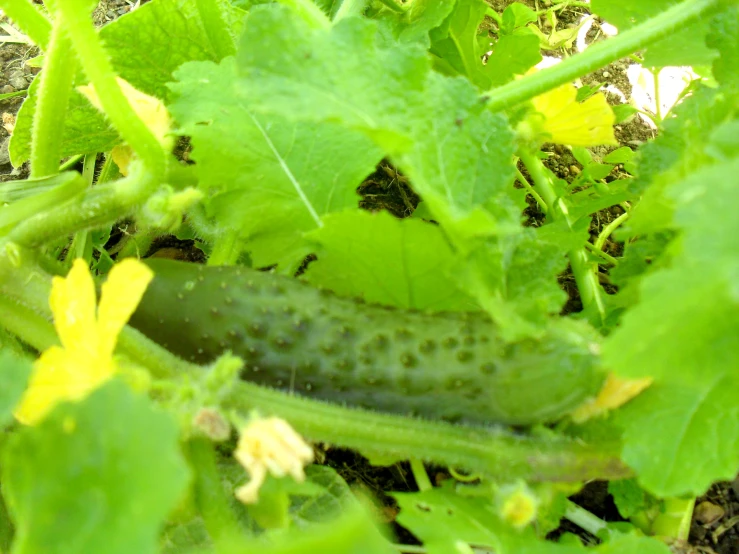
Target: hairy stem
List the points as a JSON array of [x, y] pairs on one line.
[[599, 55], [97, 65], [51, 106], [26, 324], [349, 8], [100, 206], [495, 452], [30, 20], [587, 281]]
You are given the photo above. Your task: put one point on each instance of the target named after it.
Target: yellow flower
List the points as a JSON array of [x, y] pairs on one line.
[[88, 335], [563, 120], [517, 505], [270, 445], [614, 393]]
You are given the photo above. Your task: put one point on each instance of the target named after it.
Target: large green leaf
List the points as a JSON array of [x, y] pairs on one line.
[[456, 153], [95, 476], [683, 434], [269, 178], [405, 263]]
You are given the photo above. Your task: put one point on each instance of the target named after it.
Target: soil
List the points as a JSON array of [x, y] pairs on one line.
[[715, 526]]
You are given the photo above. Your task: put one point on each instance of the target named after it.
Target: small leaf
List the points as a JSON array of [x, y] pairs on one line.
[[620, 155]]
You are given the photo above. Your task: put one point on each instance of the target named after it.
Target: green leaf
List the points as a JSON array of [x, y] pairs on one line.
[[515, 277], [446, 521], [460, 162], [691, 49], [14, 373], [185, 537], [145, 46], [405, 263], [623, 112], [683, 333], [423, 16], [95, 476], [619, 156], [724, 37], [512, 55], [334, 499], [516, 15], [630, 498], [339, 74], [456, 153], [442, 519], [683, 146], [268, 178], [456, 41]]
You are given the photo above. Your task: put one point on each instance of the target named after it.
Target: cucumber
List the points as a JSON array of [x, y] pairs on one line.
[[451, 366]]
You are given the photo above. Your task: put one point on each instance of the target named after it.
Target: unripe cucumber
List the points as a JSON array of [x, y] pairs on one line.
[[292, 336]]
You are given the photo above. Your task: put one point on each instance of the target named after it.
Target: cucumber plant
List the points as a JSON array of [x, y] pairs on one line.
[[458, 354]]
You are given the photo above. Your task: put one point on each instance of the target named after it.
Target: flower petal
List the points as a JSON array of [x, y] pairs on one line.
[[59, 375], [72, 302], [567, 121], [120, 295]]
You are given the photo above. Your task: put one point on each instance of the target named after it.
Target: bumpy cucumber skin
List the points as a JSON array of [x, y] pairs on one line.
[[295, 337]]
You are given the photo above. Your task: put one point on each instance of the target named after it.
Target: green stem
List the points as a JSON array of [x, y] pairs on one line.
[[161, 363], [587, 281], [136, 245], [349, 8], [215, 28], [657, 100], [101, 206], [210, 498], [51, 106], [588, 284], [584, 519], [539, 200], [97, 65], [674, 521], [26, 324], [606, 257], [609, 229], [598, 55], [70, 163], [492, 451], [7, 530], [30, 20], [419, 474], [490, 12], [82, 242], [70, 185]]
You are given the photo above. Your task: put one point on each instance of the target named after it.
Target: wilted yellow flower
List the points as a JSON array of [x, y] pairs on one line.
[[270, 445], [562, 119], [614, 393], [149, 108], [88, 335], [517, 505]]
